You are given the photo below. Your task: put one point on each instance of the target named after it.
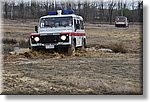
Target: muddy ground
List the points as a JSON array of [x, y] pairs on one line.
[[111, 63]]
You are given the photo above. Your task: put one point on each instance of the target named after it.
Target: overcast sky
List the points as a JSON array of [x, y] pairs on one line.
[[71, 0], [126, 1]]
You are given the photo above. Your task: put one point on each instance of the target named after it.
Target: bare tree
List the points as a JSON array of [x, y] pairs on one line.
[[140, 11], [111, 6], [33, 9], [100, 10], [6, 9], [93, 11], [133, 9], [86, 8], [120, 8], [22, 9], [79, 7], [12, 9]]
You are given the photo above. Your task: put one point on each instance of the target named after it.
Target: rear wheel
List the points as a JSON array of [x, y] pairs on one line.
[[72, 48], [116, 25], [83, 44]]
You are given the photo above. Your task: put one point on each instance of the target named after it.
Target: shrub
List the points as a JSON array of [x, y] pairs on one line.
[[23, 44], [9, 41], [118, 47], [8, 48]]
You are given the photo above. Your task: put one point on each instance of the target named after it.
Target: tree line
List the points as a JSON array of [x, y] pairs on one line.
[[91, 11]]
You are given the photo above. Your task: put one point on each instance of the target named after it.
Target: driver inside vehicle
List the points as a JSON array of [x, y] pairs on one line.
[[66, 23], [69, 23]]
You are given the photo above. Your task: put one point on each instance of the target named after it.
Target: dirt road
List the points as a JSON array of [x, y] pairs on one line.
[[91, 71]]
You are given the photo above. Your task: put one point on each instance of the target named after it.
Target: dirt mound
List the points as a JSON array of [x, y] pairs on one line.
[[44, 54], [92, 50]]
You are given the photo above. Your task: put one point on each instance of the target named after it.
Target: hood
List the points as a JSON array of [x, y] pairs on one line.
[[55, 30]]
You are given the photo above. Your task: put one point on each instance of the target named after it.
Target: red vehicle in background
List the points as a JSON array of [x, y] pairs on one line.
[[121, 21]]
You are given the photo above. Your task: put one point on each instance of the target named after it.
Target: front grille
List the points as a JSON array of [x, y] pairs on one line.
[[50, 39]]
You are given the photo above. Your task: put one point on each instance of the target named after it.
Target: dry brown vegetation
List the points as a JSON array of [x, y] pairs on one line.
[[90, 71]]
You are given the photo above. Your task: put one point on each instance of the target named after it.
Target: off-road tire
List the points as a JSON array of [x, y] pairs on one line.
[[71, 50], [83, 44]]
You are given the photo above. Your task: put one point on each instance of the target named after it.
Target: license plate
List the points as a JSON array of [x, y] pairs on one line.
[[49, 46]]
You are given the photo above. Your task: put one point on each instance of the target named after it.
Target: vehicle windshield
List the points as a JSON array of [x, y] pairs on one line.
[[56, 22], [120, 18]]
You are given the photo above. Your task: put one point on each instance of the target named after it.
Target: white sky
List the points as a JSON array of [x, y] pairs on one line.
[[127, 1], [72, 0]]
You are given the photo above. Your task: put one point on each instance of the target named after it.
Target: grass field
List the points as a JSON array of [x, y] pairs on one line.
[[91, 71]]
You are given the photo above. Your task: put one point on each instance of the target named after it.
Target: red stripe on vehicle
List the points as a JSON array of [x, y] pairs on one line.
[[74, 34], [77, 34], [34, 34]]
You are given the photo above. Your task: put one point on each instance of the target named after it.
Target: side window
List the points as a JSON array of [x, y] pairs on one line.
[[78, 24], [81, 24], [75, 24]]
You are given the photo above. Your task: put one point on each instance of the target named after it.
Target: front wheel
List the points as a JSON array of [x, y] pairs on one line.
[[71, 50]]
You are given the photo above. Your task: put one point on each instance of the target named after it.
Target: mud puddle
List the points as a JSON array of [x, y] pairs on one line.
[[29, 53]]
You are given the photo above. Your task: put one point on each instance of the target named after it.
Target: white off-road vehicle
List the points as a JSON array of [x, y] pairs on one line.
[[61, 30]]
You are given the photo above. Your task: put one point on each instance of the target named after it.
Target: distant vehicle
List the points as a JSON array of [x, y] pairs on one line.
[[121, 21], [62, 30]]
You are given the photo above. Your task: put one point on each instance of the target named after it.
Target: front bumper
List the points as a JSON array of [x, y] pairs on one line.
[[49, 46], [120, 23]]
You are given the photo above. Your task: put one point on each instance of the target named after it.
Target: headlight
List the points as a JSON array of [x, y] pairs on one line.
[[36, 39], [63, 37]]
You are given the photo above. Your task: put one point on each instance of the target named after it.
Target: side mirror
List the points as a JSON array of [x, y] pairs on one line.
[[36, 29], [75, 29]]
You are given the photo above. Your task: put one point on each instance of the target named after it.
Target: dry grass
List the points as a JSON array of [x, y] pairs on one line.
[[125, 39], [89, 71], [118, 47], [9, 41], [9, 44]]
